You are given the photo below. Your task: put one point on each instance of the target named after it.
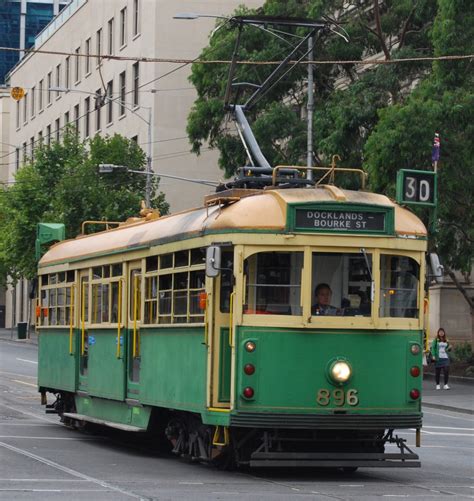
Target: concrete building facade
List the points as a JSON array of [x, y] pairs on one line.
[[143, 98]]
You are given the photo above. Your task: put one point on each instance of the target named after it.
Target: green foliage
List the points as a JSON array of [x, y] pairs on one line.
[[62, 185], [462, 353]]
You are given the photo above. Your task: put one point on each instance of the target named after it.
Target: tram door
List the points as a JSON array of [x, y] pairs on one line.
[[83, 328], [221, 352], [133, 330]]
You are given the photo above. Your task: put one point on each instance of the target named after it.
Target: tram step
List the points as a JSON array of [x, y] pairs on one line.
[[103, 422]]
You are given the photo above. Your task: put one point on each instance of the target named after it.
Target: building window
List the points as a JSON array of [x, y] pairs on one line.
[[134, 139], [98, 105], [110, 103], [110, 39], [88, 53], [33, 93], [98, 43], [122, 93], [17, 159], [136, 17], [67, 72], [40, 95], [76, 118], [123, 26], [40, 137], [25, 108], [50, 84], [77, 70], [58, 80], [48, 135], [32, 147], [87, 108], [136, 83], [58, 130], [66, 119], [23, 147], [18, 114]]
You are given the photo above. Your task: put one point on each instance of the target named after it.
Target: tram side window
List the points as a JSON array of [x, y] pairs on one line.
[[227, 280], [400, 276], [273, 283], [105, 296], [55, 302], [341, 284]]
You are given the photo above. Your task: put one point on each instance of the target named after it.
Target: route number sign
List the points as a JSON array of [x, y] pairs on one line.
[[417, 187]]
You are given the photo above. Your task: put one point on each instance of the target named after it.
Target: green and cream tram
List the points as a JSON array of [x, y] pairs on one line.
[[202, 326]]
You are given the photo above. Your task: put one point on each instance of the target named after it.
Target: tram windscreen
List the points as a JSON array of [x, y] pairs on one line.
[[399, 276], [341, 284], [273, 283]]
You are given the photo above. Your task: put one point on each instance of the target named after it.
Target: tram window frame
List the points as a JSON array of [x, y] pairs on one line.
[[390, 274], [178, 281], [349, 299], [55, 299], [277, 307], [104, 293]]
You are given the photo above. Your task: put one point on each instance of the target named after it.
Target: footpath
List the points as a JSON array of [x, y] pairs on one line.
[[460, 398]]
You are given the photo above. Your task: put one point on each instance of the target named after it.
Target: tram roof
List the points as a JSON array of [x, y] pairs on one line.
[[248, 210]]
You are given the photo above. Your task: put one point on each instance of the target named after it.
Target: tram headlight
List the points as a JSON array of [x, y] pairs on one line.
[[340, 371]]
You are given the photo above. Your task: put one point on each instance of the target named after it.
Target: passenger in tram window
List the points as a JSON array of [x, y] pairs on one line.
[[323, 294]]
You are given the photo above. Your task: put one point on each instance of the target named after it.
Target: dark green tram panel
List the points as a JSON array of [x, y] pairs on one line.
[[105, 372], [292, 367], [173, 369], [57, 367], [341, 218]]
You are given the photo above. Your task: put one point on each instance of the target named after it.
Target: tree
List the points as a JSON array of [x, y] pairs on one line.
[[344, 118], [62, 185], [444, 102]]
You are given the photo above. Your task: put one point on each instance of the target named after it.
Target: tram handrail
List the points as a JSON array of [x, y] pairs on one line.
[[71, 319], [119, 315], [83, 316], [231, 320]]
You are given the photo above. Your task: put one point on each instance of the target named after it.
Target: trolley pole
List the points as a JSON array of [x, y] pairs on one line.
[[310, 107]]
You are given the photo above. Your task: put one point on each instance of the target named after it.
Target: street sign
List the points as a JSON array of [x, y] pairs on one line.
[[17, 93], [417, 187]]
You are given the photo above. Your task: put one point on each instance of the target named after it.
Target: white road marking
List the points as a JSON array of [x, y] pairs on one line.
[[445, 434], [450, 416], [29, 361], [25, 383], [16, 374], [69, 471], [36, 416], [448, 428], [191, 483]]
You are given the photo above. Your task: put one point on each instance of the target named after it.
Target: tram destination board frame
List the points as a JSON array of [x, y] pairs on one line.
[[332, 218], [417, 187]]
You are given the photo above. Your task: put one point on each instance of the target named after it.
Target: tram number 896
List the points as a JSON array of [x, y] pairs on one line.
[[338, 397]]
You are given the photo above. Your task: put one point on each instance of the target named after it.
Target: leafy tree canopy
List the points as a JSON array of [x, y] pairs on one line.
[[62, 185], [381, 117]]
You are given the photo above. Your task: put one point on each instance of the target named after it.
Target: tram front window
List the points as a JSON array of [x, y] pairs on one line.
[[399, 277], [273, 283], [341, 284]]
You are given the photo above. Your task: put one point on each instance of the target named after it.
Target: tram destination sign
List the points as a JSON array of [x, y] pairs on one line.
[[354, 221]]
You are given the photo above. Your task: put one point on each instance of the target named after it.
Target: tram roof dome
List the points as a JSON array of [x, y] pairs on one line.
[[227, 211]]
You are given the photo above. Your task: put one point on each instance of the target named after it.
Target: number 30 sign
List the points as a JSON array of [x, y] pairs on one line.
[[416, 187]]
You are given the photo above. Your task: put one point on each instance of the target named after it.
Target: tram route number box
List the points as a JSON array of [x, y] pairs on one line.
[[417, 187]]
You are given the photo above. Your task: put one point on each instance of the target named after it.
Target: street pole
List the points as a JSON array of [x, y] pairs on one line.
[[309, 156], [148, 164]]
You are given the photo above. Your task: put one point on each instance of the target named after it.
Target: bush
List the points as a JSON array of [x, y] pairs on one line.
[[462, 353]]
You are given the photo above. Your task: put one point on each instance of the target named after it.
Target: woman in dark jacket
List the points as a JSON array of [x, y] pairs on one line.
[[439, 350]]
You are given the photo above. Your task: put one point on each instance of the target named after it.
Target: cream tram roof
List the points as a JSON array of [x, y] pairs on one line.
[[258, 210]]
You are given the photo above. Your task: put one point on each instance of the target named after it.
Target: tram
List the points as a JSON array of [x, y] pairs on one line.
[[203, 326]]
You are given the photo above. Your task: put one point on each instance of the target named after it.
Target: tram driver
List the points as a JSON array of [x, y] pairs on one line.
[[322, 306]]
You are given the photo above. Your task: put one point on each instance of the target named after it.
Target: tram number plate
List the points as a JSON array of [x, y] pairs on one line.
[[337, 397]]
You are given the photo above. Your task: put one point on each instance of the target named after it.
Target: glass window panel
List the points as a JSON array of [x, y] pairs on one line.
[[151, 263], [61, 316], [194, 302], [114, 302], [117, 270], [61, 277], [52, 297], [53, 279], [70, 276], [164, 302], [181, 281], [341, 284], [61, 296], [198, 256], [151, 309], [227, 280], [166, 261], [181, 258], [197, 279], [105, 303], [96, 303], [53, 317], [180, 304], [274, 283], [106, 272], [135, 295], [151, 287], [399, 276], [96, 272], [165, 282]]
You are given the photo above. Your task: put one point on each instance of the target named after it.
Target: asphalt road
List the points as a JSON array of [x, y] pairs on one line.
[[42, 460]]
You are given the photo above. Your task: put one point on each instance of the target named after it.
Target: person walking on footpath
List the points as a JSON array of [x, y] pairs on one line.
[[439, 350]]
